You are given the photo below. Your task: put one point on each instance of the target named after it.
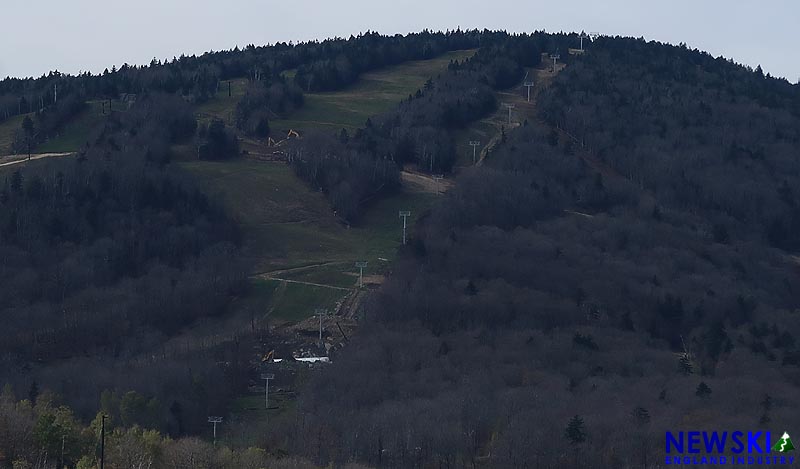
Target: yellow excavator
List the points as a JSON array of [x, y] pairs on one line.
[[268, 358]]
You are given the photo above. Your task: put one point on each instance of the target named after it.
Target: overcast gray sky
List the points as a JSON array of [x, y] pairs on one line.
[[75, 35]]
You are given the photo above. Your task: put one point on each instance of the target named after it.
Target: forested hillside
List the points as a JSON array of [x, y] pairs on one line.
[[588, 289], [700, 133], [622, 260], [106, 254], [49, 101], [353, 170]]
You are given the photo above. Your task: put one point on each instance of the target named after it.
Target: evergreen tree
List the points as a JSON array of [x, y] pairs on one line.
[[575, 431], [703, 391]]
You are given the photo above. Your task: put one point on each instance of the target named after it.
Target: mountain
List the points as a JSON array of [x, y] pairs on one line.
[[603, 248]]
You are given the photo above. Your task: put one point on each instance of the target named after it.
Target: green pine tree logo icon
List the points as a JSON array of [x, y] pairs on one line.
[[784, 445]]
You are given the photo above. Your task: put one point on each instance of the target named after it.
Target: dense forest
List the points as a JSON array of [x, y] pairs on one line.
[[264, 100], [327, 65], [591, 287], [625, 263], [352, 170], [46, 434], [700, 133], [106, 254]]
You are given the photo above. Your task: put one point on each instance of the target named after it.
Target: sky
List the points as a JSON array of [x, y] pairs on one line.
[[91, 35]]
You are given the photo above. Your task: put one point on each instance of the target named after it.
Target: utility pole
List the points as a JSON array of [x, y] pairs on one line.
[[215, 421], [229, 88], [529, 85], [404, 214], [555, 58], [361, 265], [321, 312], [474, 144], [55, 93], [266, 377], [437, 178], [510, 107], [583, 36], [103, 441], [199, 146], [63, 443]]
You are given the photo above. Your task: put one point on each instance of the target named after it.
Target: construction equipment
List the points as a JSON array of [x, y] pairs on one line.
[[268, 358], [292, 134]]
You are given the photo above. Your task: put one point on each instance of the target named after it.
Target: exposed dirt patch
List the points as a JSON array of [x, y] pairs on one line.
[[18, 159], [418, 182]]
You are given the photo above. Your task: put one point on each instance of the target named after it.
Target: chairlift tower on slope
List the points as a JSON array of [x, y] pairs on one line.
[[215, 420], [529, 85], [361, 265], [555, 58], [404, 214], [510, 107], [583, 36], [474, 144]]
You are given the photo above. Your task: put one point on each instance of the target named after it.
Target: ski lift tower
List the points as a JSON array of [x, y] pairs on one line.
[[529, 85], [510, 107], [555, 58], [215, 421], [474, 144], [438, 178], [266, 377], [404, 214], [320, 312], [361, 265]]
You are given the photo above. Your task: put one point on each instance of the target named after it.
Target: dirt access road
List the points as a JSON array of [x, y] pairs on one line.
[[18, 159], [420, 182]]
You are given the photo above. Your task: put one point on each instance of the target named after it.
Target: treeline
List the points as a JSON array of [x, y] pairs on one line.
[[342, 62], [354, 169], [46, 123], [198, 77], [418, 131], [107, 254], [44, 433], [347, 173], [327, 65], [554, 311], [264, 100], [57, 97], [215, 141], [700, 133]]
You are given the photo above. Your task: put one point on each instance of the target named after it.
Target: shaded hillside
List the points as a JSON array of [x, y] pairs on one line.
[[622, 265], [549, 314], [104, 255], [701, 134]]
